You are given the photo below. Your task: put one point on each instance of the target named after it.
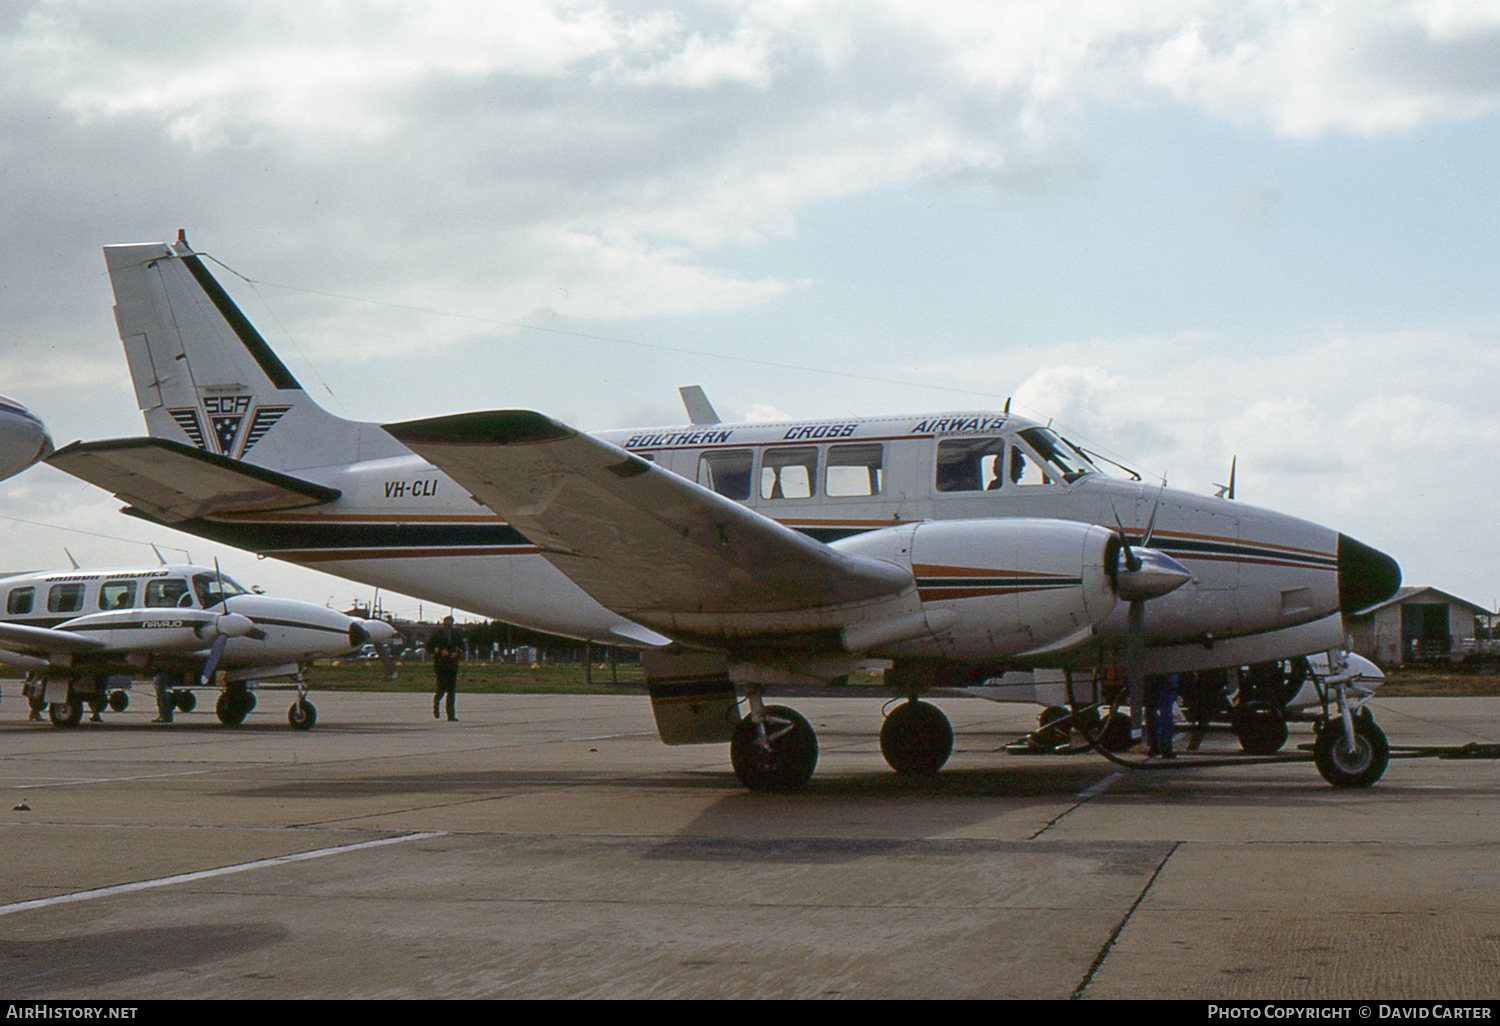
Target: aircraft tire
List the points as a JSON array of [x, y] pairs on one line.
[[119, 701], [1053, 727], [230, 710], [1114, 732], [790, 762], [302, 715], [184, 700], [65, 714], [1260, 728], [1343, 767], [916, 738]]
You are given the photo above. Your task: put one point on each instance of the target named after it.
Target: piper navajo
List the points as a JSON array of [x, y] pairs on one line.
[[23, 438], [74, 629], [945, 549]]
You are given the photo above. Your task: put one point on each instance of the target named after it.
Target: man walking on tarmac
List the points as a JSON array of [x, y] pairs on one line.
[[446, 648]]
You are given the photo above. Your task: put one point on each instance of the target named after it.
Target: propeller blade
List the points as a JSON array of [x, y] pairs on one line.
[[215, 651], [1151, 520], [1131, 562]]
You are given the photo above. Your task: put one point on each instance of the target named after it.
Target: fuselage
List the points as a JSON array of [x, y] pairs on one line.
[[1264, 585]]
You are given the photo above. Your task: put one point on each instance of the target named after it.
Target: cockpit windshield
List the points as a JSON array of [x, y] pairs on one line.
[[1065, 459], [215, 588]]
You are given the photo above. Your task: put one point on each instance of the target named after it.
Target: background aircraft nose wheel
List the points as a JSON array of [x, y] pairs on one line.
[[119, 701], [1343, 766], [916, 738], [302, 715], [789, 759]]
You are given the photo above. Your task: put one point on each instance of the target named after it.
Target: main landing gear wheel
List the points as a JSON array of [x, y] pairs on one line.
[[65, 714], [185, 700], [1343, 766], [302, 715], [119, 701], [784, 764], [1260, 727], [233, 706], [916, 738]]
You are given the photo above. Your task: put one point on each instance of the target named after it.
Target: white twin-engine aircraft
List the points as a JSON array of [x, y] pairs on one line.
[[74, 629], [23, 438], [945, 549]]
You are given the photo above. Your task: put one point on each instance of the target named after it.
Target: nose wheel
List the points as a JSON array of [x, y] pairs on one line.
[[1346, 764]]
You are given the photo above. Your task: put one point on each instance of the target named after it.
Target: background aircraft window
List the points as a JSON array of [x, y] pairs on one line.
[[167, 594], [65, 598], [854, 469], [969, 464], [726, 471], [19, 600], [788, 473], [117, 595]]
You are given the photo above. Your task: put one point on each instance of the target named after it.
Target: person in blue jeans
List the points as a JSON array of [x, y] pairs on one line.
[[1161, 722]]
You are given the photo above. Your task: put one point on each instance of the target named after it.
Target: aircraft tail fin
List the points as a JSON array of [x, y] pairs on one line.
[[206, 378]]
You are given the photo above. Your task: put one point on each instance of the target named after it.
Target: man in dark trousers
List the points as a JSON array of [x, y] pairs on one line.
[[446, 648]]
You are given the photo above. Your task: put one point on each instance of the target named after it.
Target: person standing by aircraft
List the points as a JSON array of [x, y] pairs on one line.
[[446, 649], [1161, 723], [163, 684]]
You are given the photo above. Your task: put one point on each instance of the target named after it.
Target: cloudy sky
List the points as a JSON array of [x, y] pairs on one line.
[[1184, 230]]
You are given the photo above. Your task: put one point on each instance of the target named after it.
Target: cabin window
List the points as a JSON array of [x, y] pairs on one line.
[[970, 464], [854, 469], [20, 600], [167, 594], [726, 471], [1026, 469], [117, 595], [1057, 453], [789, 472], [65, 598]]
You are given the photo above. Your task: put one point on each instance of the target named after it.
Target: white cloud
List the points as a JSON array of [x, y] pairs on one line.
[[585, 163]]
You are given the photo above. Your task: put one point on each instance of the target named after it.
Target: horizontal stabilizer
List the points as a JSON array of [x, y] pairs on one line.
[[636, 537], [174, 482]]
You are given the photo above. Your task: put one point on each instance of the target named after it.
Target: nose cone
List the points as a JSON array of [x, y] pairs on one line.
[[375, 631], [1155, 574], [1366, 575]]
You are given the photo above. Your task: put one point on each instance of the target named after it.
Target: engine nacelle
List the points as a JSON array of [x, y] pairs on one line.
[[992, 589]]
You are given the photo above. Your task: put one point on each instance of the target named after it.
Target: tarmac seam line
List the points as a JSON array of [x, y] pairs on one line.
[[205, 874], [1114, 935]]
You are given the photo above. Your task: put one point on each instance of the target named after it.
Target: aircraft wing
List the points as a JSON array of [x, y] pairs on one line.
[[634, 536], [21, 638], [175, 482]]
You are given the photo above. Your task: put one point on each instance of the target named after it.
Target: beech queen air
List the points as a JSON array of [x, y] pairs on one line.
[[948, 549]]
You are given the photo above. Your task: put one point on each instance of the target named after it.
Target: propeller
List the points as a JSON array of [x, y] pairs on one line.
[[1141, 574], [1227, 491], [224, 626]]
